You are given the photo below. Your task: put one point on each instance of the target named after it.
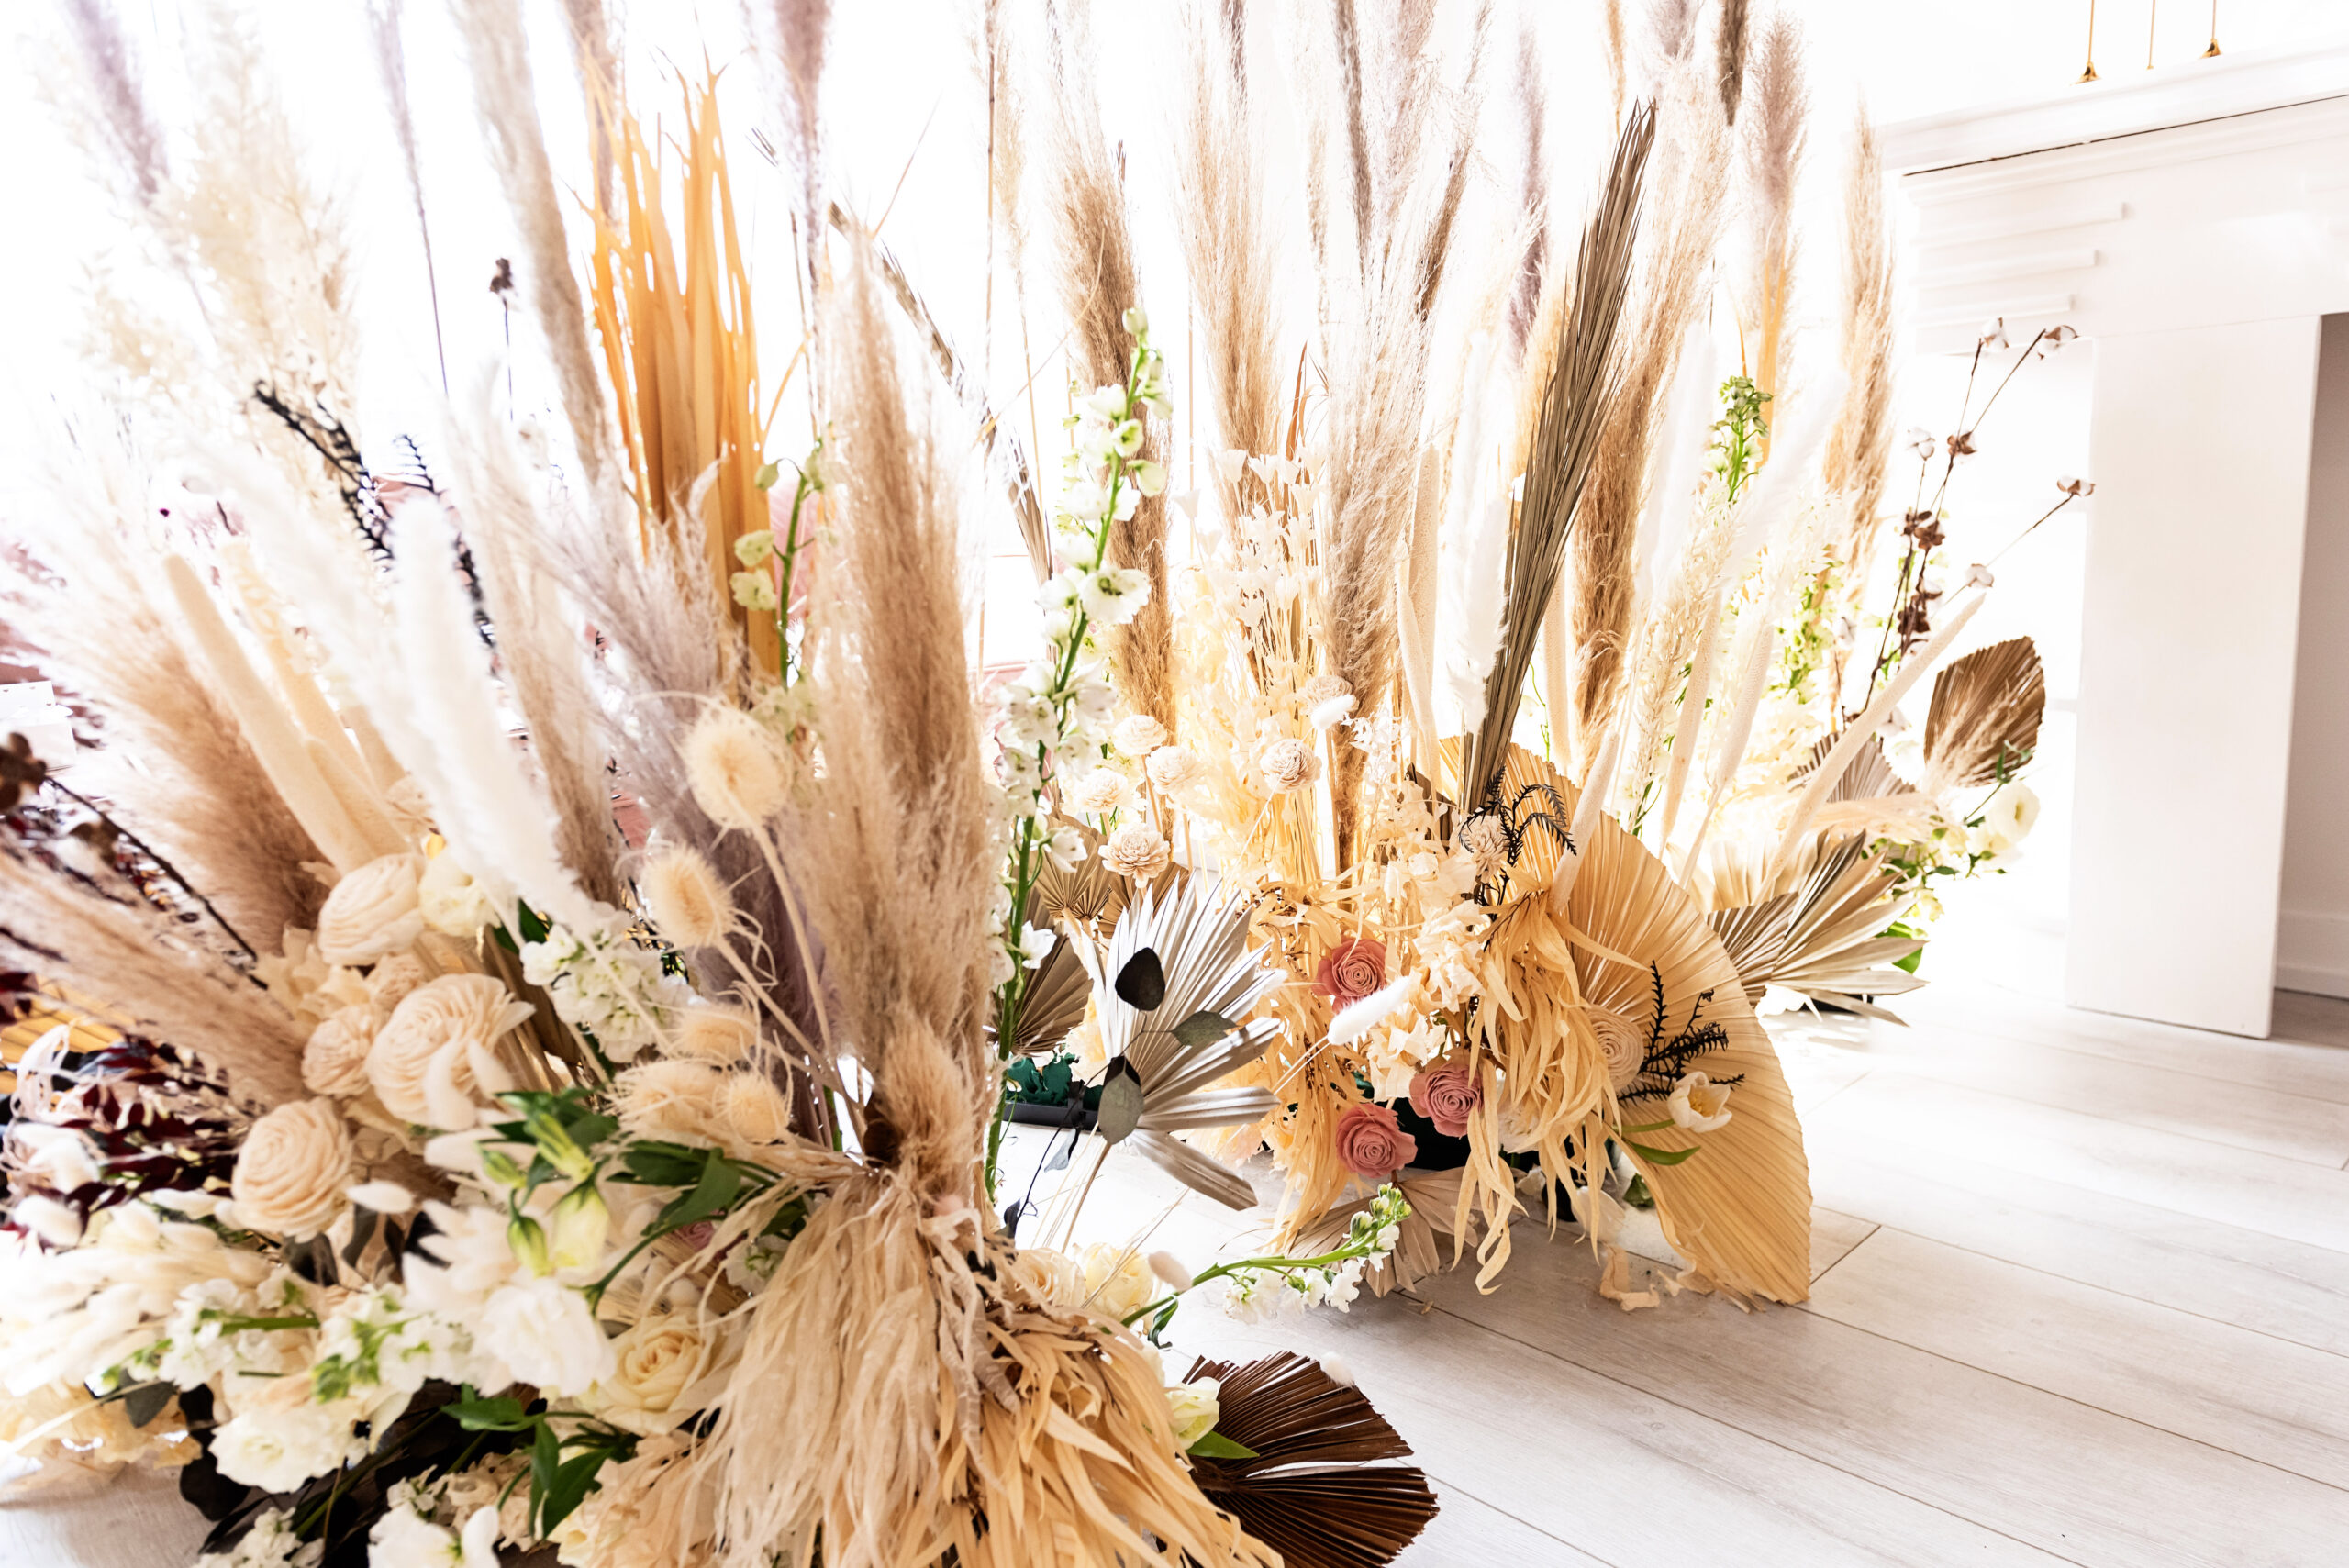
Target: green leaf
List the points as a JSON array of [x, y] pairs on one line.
[[1649, 1127], [720, 1180], [546, 1458], [572, 1481], [1659, 1156], [499, 1414], [1202, 1029], [662, 1165], [1215, 1445], [146, 1402]]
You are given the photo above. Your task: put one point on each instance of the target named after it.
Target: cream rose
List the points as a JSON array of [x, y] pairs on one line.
[[656, 1361], [433, 1058], [1137, 735], [1118, 1280], [334, 1062], [1194, 1408], [451, 901], [1174, 767], [1052, 1278], [373, 912], [291, 1171], [1137, 851], [1289, 764]]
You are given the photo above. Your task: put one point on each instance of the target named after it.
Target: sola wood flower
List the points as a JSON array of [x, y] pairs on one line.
[[1102, 791], [1137, 735], [373, 912], [1174, 767], [1352, 971], [1137, 851], [334, 1062], [293, 1169], [1314, 1486], [1370, 1143], [1447, 1095], [1287, 765], [434, 1057]]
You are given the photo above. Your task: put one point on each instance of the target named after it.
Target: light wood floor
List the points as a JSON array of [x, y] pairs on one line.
[[2081, 1295]]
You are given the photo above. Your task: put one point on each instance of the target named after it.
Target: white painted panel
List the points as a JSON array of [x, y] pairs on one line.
[[2200, 446], [2312, 938]]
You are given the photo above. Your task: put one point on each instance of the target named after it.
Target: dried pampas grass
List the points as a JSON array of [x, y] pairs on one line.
[[1774, 138], [1094, 264], [1860, 447]]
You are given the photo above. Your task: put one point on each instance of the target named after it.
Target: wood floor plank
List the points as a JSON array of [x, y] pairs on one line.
[[1833, 1237], [2032, 1465], [1943, 1122], [2283, 1405], [1470, 1533], [2288, 1289], [1621, 1475], [2215, 1109]]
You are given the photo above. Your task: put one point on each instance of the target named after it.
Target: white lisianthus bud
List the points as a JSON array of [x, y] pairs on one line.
[[581, 1224], [527, 1240], [1136, 322], [1194, 1408]]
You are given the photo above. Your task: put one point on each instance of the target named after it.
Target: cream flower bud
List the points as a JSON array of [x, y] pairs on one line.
[[580, 1225], [1137, 735], [1194, 1408], [1174, 767], [334, 1062], [1699, 1104], [685, 897], [733, 768], [373, 911], [1137, 851], [293, 1169], [1287, 765]]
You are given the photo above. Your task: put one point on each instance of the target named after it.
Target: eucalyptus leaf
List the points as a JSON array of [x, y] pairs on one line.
[[1121, 1102], [146, 1402], [1202, 1029], [1142, 983]]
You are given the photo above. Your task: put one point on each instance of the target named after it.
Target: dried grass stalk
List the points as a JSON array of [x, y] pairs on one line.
[[1580, 383], [1730, 52], [391, 68], [1774, 138], [123, 120], [497, 49], [1859, 447]]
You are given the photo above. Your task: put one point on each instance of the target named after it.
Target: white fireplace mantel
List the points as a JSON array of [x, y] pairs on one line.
[[2193, 222]]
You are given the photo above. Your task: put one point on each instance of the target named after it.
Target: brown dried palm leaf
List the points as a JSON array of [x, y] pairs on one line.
[[1315, 1491], [1984, 721], [1577, 396], [1819, 931]]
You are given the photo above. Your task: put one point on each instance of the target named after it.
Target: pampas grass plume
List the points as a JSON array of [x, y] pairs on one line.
[[685, 899], [733, 768]]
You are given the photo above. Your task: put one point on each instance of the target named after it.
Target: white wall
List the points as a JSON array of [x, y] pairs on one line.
[[2312, 934]]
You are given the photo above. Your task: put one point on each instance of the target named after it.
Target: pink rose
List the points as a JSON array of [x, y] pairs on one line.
[[1447, 1095], [1352, 971], [1371, 1143]]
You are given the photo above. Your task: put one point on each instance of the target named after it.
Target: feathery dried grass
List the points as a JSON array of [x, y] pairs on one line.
[[797, 31], [136, 962], [1220, 208], [1581, 376], [541, 642], [896, 842], [499, 54], [1859, 448], [597, 66], [1774, 138], [1094, 265], [1729, 43], [1532, 99], [1690, 179], [391, 69], [125, 121]]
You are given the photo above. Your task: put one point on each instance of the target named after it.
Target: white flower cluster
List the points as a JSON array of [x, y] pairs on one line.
[[269, 1543], [1261, 1289], [604, 982]]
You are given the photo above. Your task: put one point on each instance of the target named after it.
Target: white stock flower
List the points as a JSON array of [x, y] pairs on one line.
[[270, 1542], [544, 1333], [292, 1169], [373, 911], [1699, 1104], [1065, 849], [275, 1444], [1035, 946], [404, 1539]]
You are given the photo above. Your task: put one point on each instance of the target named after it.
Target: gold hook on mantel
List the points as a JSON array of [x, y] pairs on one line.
[[2089, 74], [2152, 15], [2212, 52]]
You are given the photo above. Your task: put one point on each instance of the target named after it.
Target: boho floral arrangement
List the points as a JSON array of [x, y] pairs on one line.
[[530, 961]]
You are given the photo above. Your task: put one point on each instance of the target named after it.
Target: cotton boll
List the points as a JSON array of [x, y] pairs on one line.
[[687, 902], [732, 769]]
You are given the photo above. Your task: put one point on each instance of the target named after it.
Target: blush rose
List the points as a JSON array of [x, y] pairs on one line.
[[1447, 1095], [1352, 971]]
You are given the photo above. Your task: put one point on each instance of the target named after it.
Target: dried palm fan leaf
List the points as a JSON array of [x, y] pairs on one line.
[[1315, 1490], [1085, 893], [1984, 721], [1434, 1197], [1820, 931], [1085, 897], [1172, 983], [1576, 396]]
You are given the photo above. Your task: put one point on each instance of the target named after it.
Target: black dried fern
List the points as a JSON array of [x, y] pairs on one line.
[[1664, 1061]]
